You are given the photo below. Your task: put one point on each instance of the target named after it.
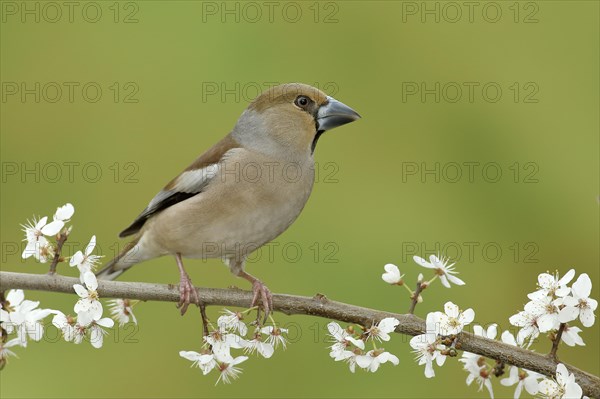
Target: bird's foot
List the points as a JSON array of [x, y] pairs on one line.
[[262, 294], [187, 294]]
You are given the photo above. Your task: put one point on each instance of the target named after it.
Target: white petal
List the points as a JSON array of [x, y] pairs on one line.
[[429, 372], [266, 350], [548, 322], [451, 309], [455, 280], [583, 286], [392, 274], [76, 259], [190, 355], [548, 388], [592, 303], [513, 377], [478, 330], [586, 316], [335, 330], [41, 223], [531, 385], [96, 337], [359, 343], [569, 301], [423, 262], [573, 391], [568, 314], [84, 318], [90, 281], [509, 338], [444, 281], [562, 374], [52, 228], [15, 297], [364, 361], [106, 322], [90, 247], [488, 385], [467, 316], [64, 212], [82, 292], [545, 280], [388, 324], [566, 279], [492, 331]]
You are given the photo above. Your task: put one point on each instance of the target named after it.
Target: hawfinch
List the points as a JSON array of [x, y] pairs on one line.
[[241, 193]]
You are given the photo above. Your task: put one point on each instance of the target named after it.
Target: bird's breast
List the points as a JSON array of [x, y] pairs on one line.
[[249, 203]]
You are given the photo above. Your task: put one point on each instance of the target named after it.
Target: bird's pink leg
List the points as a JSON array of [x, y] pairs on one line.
[[187, 291], [260, 291]]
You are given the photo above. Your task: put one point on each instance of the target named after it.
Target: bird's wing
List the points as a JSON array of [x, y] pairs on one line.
[[189, 183]]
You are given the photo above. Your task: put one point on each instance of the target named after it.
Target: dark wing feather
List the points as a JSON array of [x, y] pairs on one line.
[[188, 184]]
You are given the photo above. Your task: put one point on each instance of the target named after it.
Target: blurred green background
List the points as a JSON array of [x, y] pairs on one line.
[[174, 77]]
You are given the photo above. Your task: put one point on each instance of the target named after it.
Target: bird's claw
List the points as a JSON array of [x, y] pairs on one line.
[[187, 294], [266, 298]]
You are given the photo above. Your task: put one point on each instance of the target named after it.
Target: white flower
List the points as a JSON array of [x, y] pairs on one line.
[[121, 310], [62, 215], [85, 262], [66, 324], [579, 304], [233, 321], [564, 387], [275, 336], [529, 326], [222, 342], [524, 379], [570, 336], [5, 352], [546, 312], [265, 349], [427, 348], [453, 320], [552, 286], [229, 371], [20, 315], [446, 272], [479, 374], [373, 358], [88, 307], [342, 340], [205, 362], [350, 358], [97, 333], [392, 274], [381, 331], [37, 245]]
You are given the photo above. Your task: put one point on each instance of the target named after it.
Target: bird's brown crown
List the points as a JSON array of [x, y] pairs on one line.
[[287, 93]]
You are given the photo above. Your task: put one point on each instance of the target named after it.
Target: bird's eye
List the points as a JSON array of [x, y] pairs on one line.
[[302, 101]]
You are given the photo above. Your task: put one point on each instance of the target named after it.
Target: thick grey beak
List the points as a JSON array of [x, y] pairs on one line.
[[334, 114]]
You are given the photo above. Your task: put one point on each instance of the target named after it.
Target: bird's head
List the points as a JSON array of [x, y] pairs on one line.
[[291, 118]]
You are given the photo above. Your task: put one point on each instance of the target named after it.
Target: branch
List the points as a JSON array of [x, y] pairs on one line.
[[316, 306]]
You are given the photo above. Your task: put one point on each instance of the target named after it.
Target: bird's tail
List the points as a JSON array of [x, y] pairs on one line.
[[121, 263]]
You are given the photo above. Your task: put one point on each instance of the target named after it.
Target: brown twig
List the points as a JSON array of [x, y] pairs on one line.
[[317, 306], [204, 319], [62, 237], [415, 297], [556, 342]]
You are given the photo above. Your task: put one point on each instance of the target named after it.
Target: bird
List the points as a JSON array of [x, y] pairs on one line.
[[240, 194]]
